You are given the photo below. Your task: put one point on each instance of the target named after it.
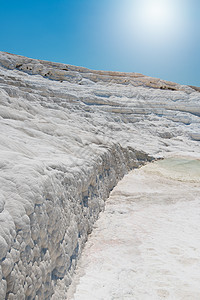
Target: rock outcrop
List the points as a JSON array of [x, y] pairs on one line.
[[68, 135]]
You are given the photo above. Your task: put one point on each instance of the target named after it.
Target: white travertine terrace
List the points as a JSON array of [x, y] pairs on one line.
[[68, 134], [146, 243]]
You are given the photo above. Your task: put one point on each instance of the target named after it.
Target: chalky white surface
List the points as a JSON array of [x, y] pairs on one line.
[[67, 136], [146, 245]]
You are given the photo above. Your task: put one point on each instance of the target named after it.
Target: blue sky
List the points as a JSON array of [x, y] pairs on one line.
[[118, 35]]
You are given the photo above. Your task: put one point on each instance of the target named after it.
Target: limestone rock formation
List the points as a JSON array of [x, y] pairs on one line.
[[68, 134]]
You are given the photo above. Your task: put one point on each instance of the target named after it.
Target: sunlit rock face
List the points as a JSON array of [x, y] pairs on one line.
[[68, 135]]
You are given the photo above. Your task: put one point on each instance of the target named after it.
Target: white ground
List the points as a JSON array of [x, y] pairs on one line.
[[146, 245], [67, 135]]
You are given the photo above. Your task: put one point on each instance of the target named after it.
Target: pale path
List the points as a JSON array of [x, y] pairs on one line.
[[146, 245]]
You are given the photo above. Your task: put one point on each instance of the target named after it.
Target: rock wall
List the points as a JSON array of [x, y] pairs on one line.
[[40, 244], [68, 135]]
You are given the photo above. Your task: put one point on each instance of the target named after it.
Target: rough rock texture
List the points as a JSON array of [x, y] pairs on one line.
[[68, 134], [146, 244]]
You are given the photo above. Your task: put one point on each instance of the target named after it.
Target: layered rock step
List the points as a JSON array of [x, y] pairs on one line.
[[68, 135]]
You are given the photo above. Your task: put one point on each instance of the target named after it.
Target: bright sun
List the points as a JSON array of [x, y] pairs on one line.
[[155, 15], [152, 21], [157, 12], [149, 25]]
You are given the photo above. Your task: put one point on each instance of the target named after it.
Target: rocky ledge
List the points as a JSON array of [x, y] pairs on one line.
[[68, 134]]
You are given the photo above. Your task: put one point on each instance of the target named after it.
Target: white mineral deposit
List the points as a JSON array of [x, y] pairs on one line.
[[68, 136], [146, 245]]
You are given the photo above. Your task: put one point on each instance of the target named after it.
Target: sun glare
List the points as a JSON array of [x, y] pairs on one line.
[[156, 17], [156, 12], [152, 22]]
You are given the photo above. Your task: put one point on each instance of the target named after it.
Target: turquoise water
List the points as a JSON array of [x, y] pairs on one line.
[[184, 169], [189, 166]]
